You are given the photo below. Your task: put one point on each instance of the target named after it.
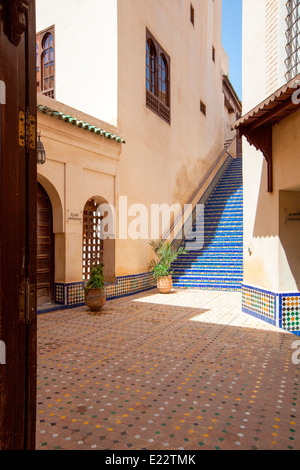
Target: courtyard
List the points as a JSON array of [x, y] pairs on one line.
[[183, 371]]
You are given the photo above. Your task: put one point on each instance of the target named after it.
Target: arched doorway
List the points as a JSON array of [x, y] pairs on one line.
[[45, 248]]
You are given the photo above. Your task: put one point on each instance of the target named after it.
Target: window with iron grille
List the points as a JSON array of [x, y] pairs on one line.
[[293, 39], [45, 62], [157, 78]]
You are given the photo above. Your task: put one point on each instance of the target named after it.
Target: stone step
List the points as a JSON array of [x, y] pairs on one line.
[[218, 263]]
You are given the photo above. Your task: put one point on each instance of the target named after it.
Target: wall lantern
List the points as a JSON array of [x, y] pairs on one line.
[[40, 151]]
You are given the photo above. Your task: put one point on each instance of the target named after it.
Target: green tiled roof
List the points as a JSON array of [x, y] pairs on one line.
[[76, 122]]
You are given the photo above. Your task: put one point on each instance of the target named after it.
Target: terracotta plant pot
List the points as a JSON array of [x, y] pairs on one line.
[[95, 299], [165, 284]]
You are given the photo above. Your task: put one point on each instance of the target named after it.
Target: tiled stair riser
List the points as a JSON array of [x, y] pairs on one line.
[[216, 262]]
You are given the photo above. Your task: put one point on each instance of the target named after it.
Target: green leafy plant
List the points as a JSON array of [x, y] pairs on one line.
[[96, 279], [165, 255]]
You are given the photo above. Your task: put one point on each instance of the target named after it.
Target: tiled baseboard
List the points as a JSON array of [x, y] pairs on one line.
[[128, 285], [72, 294], [280, 309], [69, 294]]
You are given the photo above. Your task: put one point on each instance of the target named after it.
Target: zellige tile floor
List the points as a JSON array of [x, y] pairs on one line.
[[183, 371]]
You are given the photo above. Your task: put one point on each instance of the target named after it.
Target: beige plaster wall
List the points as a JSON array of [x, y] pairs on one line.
[[104, 41], [274, 258], [268, 258], [79, 165], [164, 163]]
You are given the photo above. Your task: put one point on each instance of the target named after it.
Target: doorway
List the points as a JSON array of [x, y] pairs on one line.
[[45, 248]]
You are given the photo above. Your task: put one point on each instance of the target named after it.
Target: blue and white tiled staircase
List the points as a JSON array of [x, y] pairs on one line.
[[219, 263]]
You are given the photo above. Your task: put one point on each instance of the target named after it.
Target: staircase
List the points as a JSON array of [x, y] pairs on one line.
[[219, 263]]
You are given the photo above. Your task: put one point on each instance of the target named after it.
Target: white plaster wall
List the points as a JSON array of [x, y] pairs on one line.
[[85, 53], [260, 79], [282, 42], [264, 52], [253, 55]]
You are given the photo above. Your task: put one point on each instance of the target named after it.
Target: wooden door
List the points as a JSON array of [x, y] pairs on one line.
[[18, 168], [45, 248]]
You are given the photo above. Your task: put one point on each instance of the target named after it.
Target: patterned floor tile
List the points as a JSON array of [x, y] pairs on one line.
[[187, 370]]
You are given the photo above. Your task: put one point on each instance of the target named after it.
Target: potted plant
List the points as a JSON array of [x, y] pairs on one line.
[[161, 266], [94, 289]]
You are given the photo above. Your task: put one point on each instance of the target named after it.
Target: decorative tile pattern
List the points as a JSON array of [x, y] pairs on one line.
[[290, 312], [278, 309], [59, 293], [185, 371], [260, 303], [75, 293], [72, 294], [128, 285], [218, 262]]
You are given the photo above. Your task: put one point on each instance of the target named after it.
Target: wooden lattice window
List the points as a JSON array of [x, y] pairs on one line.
[[157, 78], [92, 252], [45, 62]]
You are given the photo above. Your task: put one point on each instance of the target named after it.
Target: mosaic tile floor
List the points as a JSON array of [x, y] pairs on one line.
[[184, 371]]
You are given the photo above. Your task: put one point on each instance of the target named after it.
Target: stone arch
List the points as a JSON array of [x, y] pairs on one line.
[[57, 207]]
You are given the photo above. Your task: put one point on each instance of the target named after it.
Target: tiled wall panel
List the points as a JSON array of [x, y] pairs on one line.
[[259, 303], [72, 294], [281, 309], [289, 313]]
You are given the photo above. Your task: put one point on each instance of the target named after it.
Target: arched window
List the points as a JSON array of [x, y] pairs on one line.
[[150, 66], [157, 78], [48, 63], [163, 80], [45, 62]]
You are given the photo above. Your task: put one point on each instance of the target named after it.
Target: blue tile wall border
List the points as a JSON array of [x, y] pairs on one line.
[[71, 295]]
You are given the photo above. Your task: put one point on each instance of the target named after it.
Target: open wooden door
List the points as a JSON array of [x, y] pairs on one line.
[[18, 225]]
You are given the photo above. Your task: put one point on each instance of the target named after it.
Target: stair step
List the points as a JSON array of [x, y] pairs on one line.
[[212, 286], [206, 272], [199, 283], [218, 262]]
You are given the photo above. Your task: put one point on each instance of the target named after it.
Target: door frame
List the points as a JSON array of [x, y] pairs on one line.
[[18, 175]]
